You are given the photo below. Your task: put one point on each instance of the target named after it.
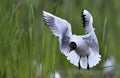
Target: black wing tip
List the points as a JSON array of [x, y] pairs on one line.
[[83, 17], [83, 10], [44, 21]]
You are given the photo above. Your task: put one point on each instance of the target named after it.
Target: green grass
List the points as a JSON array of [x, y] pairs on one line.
[[25, 42]]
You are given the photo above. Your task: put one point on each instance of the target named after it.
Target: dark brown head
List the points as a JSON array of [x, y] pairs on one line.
[[73, 46]]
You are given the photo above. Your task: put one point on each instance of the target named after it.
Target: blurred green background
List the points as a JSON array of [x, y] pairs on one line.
[[29, 50]]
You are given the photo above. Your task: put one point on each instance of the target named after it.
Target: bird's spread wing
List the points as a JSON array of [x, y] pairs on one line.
[[90, 37], [87, 21], [60, 28]]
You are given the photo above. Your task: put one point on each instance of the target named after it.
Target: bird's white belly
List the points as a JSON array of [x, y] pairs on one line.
[[83, 50]]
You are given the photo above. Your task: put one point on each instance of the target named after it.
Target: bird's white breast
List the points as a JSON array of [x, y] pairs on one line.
[[82, 48]]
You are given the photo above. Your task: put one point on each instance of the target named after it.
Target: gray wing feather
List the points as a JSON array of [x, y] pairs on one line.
[[92, 42], [64, 46], [60, 28]]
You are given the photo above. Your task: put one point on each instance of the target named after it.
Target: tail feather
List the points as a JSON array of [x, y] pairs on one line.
[[73, 57], [93, 59], [83, 62]]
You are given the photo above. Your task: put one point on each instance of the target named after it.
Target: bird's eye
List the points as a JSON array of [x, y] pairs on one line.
[[73, 46]]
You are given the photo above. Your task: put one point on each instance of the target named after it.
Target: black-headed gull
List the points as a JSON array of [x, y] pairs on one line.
[[81, 50]]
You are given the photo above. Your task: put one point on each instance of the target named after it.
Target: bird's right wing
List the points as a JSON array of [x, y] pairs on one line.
[[60, 28]]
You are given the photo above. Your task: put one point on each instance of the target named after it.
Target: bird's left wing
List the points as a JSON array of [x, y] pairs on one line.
[[60, 28], [90, 36]]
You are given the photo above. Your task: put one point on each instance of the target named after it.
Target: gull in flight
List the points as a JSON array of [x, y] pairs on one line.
[[80, 50]]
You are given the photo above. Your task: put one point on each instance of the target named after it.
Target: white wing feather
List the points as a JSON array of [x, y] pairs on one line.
[[60, 28]]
